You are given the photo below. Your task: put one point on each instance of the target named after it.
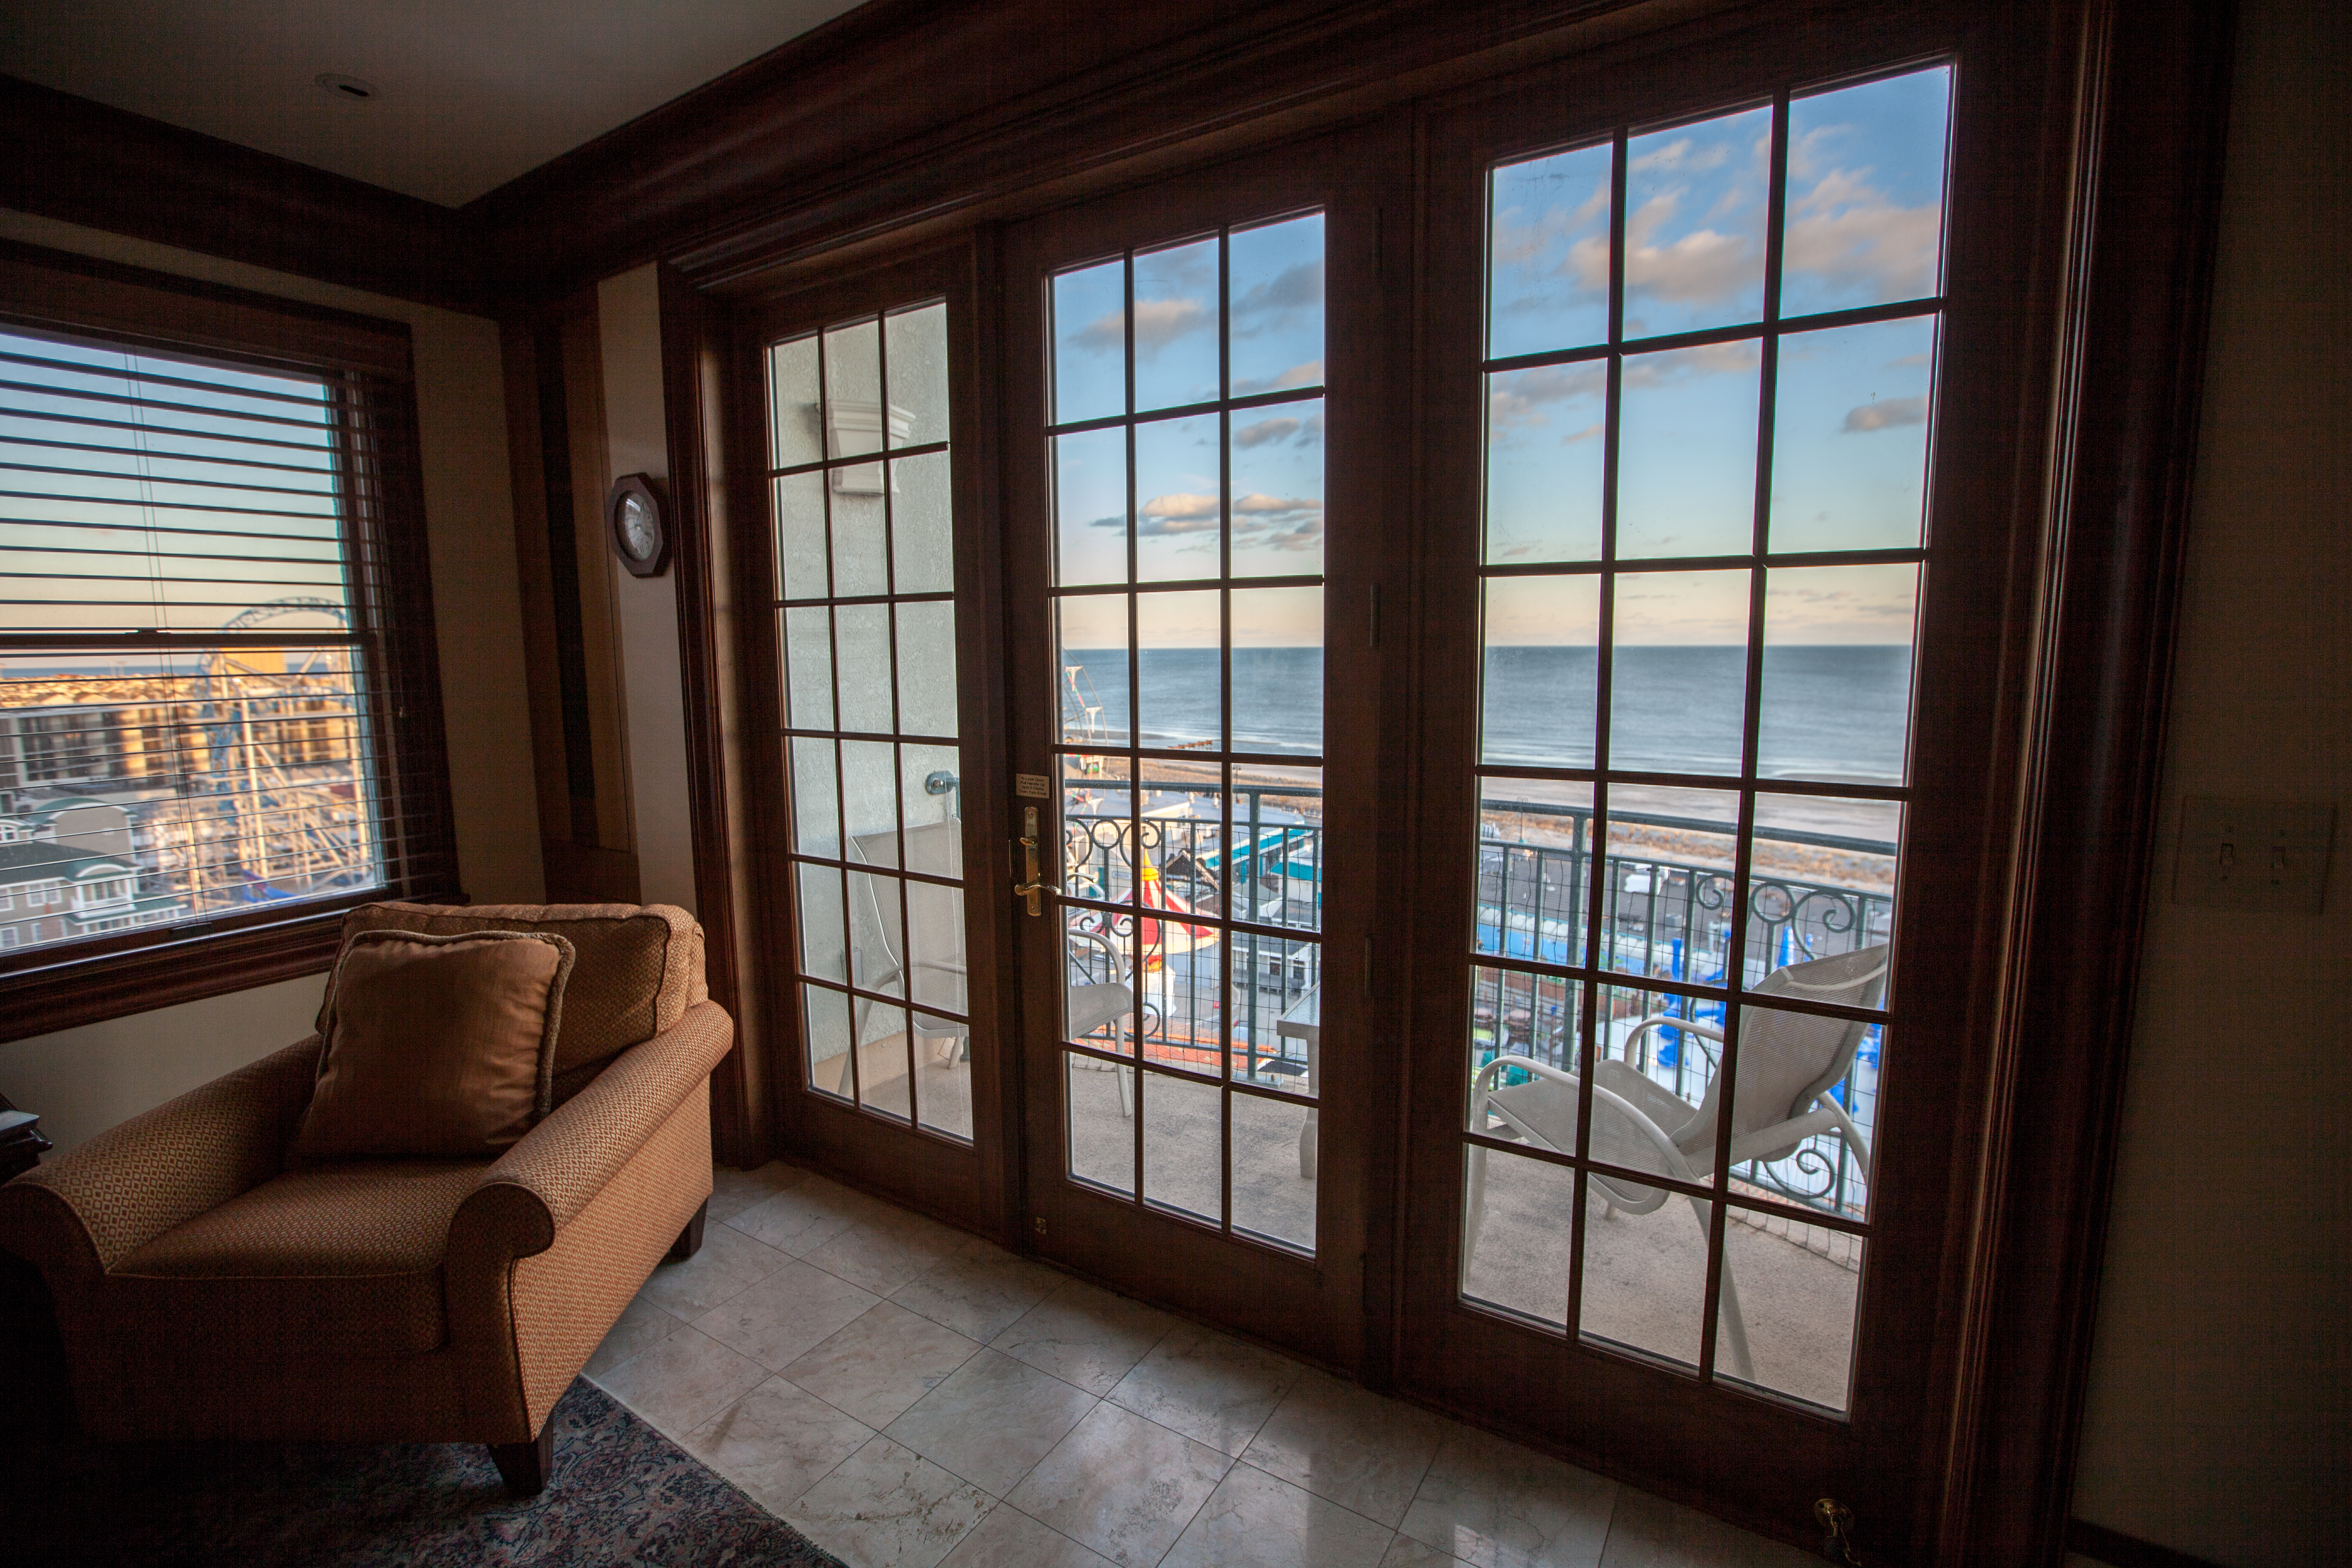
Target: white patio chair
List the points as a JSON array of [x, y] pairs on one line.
[[931, 962], [1789, 1062], [925, 961]]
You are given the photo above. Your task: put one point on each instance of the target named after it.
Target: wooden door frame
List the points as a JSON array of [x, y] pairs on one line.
[[713, 356], [1355, 176], [1748, 1456], [2128, 153]]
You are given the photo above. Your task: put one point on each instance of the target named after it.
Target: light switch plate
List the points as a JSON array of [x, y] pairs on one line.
[[2254, 854]]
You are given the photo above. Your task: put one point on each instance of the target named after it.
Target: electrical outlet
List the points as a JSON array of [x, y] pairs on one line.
[[2254, 854]]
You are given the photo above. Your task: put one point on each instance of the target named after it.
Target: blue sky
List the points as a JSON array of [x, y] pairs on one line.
[[165, 508], [1181, 507], [1852, 409]]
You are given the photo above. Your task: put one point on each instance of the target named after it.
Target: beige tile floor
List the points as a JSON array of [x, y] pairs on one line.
[[907, 1395]]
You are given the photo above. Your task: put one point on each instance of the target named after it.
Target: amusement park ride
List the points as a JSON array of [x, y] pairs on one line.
[[240, 767]]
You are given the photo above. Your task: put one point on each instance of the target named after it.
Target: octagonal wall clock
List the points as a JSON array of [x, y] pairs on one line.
[[639, 525]]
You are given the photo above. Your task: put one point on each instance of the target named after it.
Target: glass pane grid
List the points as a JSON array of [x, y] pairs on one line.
[[1709, 376], [1185, 442], [865, 597]]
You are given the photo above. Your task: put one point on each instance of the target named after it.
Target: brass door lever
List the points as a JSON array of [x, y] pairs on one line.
[[1031, 889]]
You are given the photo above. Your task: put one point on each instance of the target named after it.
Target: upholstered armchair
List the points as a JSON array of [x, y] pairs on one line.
[[208, 1286]]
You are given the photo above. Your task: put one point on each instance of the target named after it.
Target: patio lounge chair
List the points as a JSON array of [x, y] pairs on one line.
[[927, 958], [1788, 1063]]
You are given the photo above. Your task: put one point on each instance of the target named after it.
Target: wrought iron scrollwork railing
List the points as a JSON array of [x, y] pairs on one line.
[[1673, 918], [1668, 916], [1266, 863]]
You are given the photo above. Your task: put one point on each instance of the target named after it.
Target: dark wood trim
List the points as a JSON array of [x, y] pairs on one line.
[[2156, 85], [83, 294], [203, 965], [909, 112], [966, 1184], [70, 158], [694, 348], [2113, 1547]]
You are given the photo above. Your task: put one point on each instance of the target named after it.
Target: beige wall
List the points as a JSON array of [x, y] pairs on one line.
[[2220, 1411], [84, 1081], [628, 316]]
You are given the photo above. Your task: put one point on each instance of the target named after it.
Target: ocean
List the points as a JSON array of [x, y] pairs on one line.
[[1835, 713]]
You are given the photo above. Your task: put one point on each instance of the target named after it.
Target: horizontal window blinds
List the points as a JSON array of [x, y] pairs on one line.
[[199, 717]]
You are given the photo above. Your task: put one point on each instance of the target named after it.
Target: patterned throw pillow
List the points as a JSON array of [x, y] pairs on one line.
[[436, 1045]]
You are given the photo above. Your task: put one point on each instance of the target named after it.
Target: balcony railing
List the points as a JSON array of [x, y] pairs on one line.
[[1668, 916]]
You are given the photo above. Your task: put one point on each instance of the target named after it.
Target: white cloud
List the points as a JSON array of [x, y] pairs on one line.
[[1157, 324], [1260, 522], [1519, 399], [1850, 234], [1676, 157], [1518, 241], [1702, 264], [1296, 287], [1885, 414], [1265, 430], [1307, 373]]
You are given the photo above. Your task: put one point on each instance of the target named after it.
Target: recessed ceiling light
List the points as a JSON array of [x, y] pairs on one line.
[[349, 88]]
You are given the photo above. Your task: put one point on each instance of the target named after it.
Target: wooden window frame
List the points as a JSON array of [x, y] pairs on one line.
[[44, 989]]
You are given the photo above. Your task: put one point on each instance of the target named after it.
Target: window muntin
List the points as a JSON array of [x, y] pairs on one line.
[[1710, 389], [190, 670], [867, 620], [1185, 439]]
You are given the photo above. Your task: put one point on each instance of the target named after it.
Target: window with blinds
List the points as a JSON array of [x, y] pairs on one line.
[[197, 716]]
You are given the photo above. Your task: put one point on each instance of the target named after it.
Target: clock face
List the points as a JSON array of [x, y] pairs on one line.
[[639, 535]]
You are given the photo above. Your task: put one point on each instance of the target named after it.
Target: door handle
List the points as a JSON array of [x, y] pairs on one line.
[[1034, 886]]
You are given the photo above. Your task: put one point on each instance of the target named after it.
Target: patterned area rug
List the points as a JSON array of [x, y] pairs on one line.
[[622, 1493]]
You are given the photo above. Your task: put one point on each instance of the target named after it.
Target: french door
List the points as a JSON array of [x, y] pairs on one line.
[[1188, 430], [871, 656], [1435, 796], [1698, 743]]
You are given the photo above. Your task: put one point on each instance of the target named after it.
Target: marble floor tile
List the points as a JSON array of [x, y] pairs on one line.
[[1348, 1445], [684, 1380], [1085, 1336], [777, 1441], [1494, 1504], [880, 1362], [732, 1191], [729, 1264], [993, 1420], [641, 1326], [884, 1253], [805, 1216], [1008, 1537], [980, 1289], [1210, 1386], [1255, 1520], [783, 1318], [888, 1507], [1648, 1532], [1404, 1552], [1121, 1485]]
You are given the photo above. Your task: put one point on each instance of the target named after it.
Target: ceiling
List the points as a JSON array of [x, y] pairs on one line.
[[469, 93]]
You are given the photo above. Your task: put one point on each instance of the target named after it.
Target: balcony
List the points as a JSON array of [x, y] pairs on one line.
[[1669, 896]]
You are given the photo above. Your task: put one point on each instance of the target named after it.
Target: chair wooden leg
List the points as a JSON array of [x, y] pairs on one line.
[[525, 1467], [689, 1240]]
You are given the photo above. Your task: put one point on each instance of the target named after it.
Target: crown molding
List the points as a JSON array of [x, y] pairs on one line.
[[82, 162]]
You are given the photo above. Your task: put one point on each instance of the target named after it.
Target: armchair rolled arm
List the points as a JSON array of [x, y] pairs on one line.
[[98, 1203], [535, 1188]]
